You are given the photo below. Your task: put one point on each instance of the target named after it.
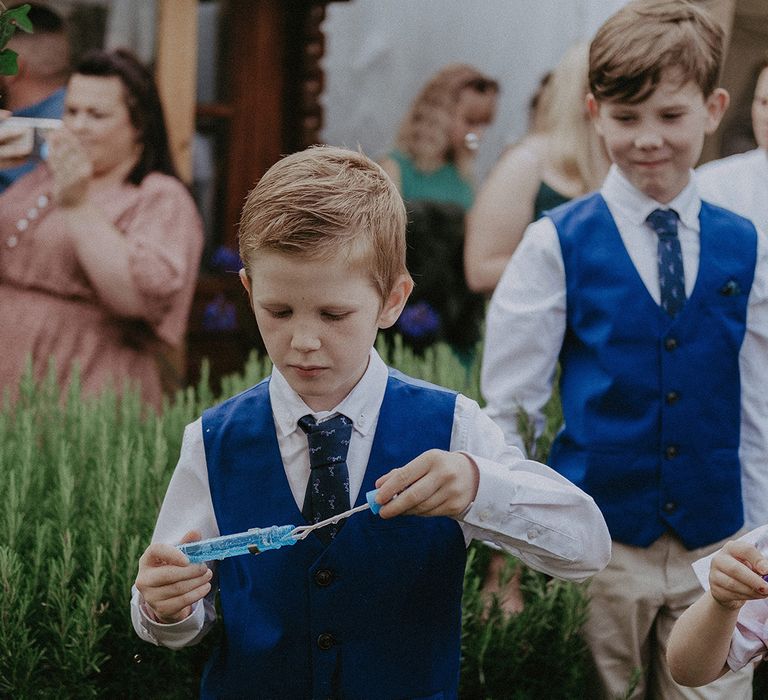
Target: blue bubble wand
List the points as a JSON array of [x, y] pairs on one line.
[[257, 540]]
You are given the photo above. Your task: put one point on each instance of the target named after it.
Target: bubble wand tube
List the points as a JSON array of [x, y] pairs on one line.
[[257, 540]]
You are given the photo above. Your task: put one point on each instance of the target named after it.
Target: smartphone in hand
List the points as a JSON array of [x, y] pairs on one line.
[[24, 137]]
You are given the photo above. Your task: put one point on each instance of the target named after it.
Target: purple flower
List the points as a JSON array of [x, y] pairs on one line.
[[418, 320], [225, 259], [220, 315]]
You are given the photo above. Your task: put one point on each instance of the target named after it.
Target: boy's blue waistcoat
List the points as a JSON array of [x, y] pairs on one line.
[[652, 404], [376, 614]]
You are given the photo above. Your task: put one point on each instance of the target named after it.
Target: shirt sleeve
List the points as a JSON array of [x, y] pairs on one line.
[[164, 231], [709, 182], [525, 327], [187, 506], [748, 643], [754, 395], [526, 508]]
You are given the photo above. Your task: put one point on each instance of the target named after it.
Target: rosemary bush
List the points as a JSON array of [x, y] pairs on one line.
[[81, 482]]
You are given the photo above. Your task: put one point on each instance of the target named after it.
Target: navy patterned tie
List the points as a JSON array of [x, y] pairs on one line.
[[671, 274], [328, 485]]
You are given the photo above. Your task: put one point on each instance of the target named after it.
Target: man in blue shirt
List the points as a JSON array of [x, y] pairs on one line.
[[37, 90]]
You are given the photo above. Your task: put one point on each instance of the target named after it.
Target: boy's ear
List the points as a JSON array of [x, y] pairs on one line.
[[394, 303], [245, 281], [593, 109], [716, 105]]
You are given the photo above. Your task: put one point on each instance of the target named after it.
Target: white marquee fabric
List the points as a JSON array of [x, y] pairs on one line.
[[379, 53]]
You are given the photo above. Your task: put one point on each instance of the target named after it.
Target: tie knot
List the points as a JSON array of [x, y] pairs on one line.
[[310, 426], [663, 222], [328, 440]]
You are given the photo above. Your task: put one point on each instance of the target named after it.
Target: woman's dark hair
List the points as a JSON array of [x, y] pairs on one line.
[[144, 107]]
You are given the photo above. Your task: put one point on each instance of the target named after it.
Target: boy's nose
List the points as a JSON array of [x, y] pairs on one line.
[[648, 139], [305, 340]]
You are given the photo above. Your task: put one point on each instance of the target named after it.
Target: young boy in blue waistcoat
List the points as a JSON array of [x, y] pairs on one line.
[[654, 303], [373, 608]]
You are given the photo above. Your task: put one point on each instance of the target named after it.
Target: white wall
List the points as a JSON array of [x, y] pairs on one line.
[[380, 52]]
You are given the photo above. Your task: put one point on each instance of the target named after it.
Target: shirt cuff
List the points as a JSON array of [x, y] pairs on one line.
[[174, 635], [510, 503]]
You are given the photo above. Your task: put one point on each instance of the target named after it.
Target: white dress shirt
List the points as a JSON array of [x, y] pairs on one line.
[[526, 325], [522, 506], [738, 183], [750, 638]]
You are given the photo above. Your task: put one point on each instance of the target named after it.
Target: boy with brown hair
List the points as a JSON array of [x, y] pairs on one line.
[[370, 608], [655, 305]]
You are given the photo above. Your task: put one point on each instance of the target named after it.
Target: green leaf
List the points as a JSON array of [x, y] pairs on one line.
[[6, 31], [8, 63], [18, 16]]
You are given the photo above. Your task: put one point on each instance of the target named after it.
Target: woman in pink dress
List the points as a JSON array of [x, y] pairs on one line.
[[99, 245]]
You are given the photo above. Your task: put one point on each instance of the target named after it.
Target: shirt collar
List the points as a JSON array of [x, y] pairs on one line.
[[362, 404], [633, 205]]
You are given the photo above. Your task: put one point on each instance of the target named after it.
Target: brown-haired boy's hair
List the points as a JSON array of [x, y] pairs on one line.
[[323, 201], [646, 38]]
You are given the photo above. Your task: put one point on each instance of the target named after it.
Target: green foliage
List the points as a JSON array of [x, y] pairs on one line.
[[81, 482], [10, 21], [536, 653], [537, 447]]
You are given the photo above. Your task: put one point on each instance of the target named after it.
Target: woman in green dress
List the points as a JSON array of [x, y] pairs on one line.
[[433, 167], [434, 154]]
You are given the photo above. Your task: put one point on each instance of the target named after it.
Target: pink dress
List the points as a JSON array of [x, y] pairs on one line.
[[48, 307]]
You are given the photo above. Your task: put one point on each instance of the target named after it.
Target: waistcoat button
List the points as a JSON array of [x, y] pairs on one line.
[[323, 577], [670, 343], [671, 397], [671, 451], [670, 507], [325, 641]]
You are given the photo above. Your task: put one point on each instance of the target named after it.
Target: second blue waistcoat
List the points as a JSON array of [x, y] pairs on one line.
[[377, 613], [652, 405]]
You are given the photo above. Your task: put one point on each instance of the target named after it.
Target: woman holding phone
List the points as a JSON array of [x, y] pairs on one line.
[[100, 244]]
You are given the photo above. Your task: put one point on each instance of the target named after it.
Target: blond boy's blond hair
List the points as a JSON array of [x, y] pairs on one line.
[[646, 39], [326, 201]]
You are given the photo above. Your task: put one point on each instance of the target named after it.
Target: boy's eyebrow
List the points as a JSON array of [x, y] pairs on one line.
[[671, 105], [337, 307]]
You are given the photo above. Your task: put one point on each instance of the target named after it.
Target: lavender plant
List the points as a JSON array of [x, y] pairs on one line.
[[81, 482]]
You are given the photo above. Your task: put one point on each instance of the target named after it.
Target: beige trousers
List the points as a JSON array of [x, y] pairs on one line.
[[634, 603]]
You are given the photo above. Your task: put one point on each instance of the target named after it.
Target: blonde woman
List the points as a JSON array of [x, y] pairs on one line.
[[437, 141], [562, 158]]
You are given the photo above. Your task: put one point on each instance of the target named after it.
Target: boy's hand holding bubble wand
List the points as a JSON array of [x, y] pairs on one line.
[[172, 578], [424, 493]]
